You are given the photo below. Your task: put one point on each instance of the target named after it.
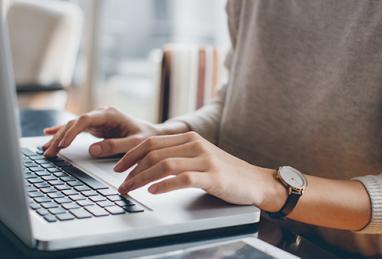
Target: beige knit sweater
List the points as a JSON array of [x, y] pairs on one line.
[[305, 89]]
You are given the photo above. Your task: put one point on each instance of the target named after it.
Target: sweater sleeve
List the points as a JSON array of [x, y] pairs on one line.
[[373, 185], [206, 120]]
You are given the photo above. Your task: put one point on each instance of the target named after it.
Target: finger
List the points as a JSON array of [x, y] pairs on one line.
[[88, 120], [47, 144], [52, 130], [150, 144], [184, 180], [53, 148], [172, 166], [80, 125], [110, 147], [186, 150]]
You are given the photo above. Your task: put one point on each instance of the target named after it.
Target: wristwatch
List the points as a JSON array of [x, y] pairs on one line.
[[295, 182]]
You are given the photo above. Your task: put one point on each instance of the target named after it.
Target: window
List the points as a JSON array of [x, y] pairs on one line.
[[129, 35]]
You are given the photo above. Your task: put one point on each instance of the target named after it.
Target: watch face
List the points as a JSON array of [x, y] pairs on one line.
[[292, 177]]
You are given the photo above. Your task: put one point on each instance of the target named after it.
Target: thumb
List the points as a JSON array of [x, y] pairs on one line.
[[114, 146]]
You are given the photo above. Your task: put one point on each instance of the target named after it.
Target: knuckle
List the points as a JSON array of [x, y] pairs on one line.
[[110, 109], [83, 118], [198, 146], [187, 179], [109, 144], [168, 165], [152, 157], [192, 135], [151, 142]]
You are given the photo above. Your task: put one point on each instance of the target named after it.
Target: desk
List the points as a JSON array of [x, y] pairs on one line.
[[32, 123]]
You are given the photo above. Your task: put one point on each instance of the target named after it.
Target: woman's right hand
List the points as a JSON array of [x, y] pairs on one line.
[[120, 132]]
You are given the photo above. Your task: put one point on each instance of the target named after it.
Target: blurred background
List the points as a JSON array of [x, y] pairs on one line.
[[153, 59]]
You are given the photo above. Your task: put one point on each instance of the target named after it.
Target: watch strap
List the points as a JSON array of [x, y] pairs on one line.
[[288, 206]]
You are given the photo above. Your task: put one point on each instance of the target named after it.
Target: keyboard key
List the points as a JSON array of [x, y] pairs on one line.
[[27, 152], [77, 197], [87, 179], [49, 178], [97, 211], [123, 203], [41, 161], [35, 194], [76, 183], [35, 180], [55, 195], [108, 192], [67, 178], [89, 193], [48, 190], [105, 204], [42, 173], [70, 206], [84, 203], [42, 212], [60, 174], [29, 164], [31, 176], [133, 209], [56, 211], [69, 192], [81, 213], [97, 198], [50, 218], [63, 187], [41, 185], [116, 198], [56, 182], [36, 157], [65, 217], [47, 166], [114, 210], [42, 199], [63, 200], [82, 188], [31, 189], [36, 168], [34, 206], [53, 170], [49, 205]]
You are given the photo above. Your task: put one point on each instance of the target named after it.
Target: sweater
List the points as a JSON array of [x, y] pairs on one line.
[[305, 90]]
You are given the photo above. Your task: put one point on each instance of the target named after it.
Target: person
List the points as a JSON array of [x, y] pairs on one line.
[[304, 90]]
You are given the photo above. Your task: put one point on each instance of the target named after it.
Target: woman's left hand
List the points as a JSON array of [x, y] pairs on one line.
[[195, 162]]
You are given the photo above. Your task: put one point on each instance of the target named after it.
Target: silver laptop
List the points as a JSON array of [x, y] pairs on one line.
[[71, 201]]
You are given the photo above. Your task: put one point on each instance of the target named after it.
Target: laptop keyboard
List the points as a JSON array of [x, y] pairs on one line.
[[58, 191]]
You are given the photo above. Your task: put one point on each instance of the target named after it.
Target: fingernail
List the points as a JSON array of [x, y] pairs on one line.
[[121, 190], [96, 150], [153, 189], [117, 168]]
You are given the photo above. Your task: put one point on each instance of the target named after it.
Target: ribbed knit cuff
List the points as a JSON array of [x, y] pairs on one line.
[[373, 185]]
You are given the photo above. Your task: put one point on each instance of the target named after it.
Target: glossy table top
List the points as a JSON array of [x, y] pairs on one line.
[[32, 123]]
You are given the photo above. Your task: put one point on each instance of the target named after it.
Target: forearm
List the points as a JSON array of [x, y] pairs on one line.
[[341, 204]]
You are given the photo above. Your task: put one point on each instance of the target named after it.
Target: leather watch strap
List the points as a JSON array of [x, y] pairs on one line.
[[289, 205]]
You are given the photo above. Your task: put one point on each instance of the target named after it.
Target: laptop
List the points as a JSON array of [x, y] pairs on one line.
[[71, 201]]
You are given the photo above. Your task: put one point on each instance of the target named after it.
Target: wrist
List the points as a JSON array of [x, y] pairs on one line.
[[275, 193]]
